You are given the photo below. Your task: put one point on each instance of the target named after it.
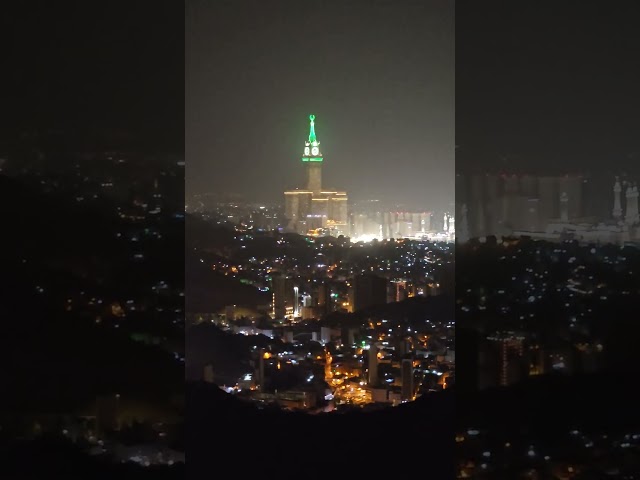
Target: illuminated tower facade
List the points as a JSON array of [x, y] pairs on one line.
[[510, 354], [315, 210], [328, 374], [312, 158], [278, 287]]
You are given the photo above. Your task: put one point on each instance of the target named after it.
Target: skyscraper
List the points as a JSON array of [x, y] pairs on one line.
[[368, 291], [373, 365], [407, 379], [314, 208], [510, 354], [280, 287]]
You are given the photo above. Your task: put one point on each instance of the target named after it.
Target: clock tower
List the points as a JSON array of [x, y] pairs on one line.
[[312, 158], [314, 209]]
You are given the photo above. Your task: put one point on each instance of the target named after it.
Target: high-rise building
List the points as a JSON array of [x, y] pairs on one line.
[[283, 297], [509, 348], [313, 208], [373, 365], [323, 300], [368, 291], [407, 379]]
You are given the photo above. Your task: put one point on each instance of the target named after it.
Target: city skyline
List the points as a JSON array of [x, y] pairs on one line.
[[239, 217], [384, 102], [314, 206]]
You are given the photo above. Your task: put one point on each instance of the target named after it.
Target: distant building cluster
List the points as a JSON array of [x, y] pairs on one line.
[[323, 339], [548, 207], [482, 453], [544, 307], [380, 361], [507, 358], [314, 208]]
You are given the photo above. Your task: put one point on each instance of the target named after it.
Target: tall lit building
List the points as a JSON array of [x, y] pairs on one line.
[[314, 209], [282, 294], [407, 379], [510, 357]]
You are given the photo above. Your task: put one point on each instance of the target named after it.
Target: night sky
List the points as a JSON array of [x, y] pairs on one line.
[[551, 85], [554, 85], [85, 67], [378, 75]]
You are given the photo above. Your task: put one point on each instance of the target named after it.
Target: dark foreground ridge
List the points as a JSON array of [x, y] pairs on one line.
[[418, 436], [57, 457], [544, 405]]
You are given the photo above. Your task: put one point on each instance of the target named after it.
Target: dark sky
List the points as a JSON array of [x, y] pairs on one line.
[[378, 75], [95, 66], [548, 84]]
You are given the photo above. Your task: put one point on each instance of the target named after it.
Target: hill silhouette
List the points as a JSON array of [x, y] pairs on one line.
[[408, 436], [59, 458], [547, 404], [53, 227], [440, 308], [229, 354], [61, 360], [209, 291], [414, 437]]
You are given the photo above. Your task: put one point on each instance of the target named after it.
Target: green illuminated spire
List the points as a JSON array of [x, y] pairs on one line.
[[312, 130], [312, 147]]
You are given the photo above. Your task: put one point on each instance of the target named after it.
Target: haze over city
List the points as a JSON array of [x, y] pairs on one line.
[[380, 81], [237, 229], [548, 87]]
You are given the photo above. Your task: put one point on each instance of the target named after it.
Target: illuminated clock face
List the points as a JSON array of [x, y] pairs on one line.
[[314, 151], [306, 150]]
